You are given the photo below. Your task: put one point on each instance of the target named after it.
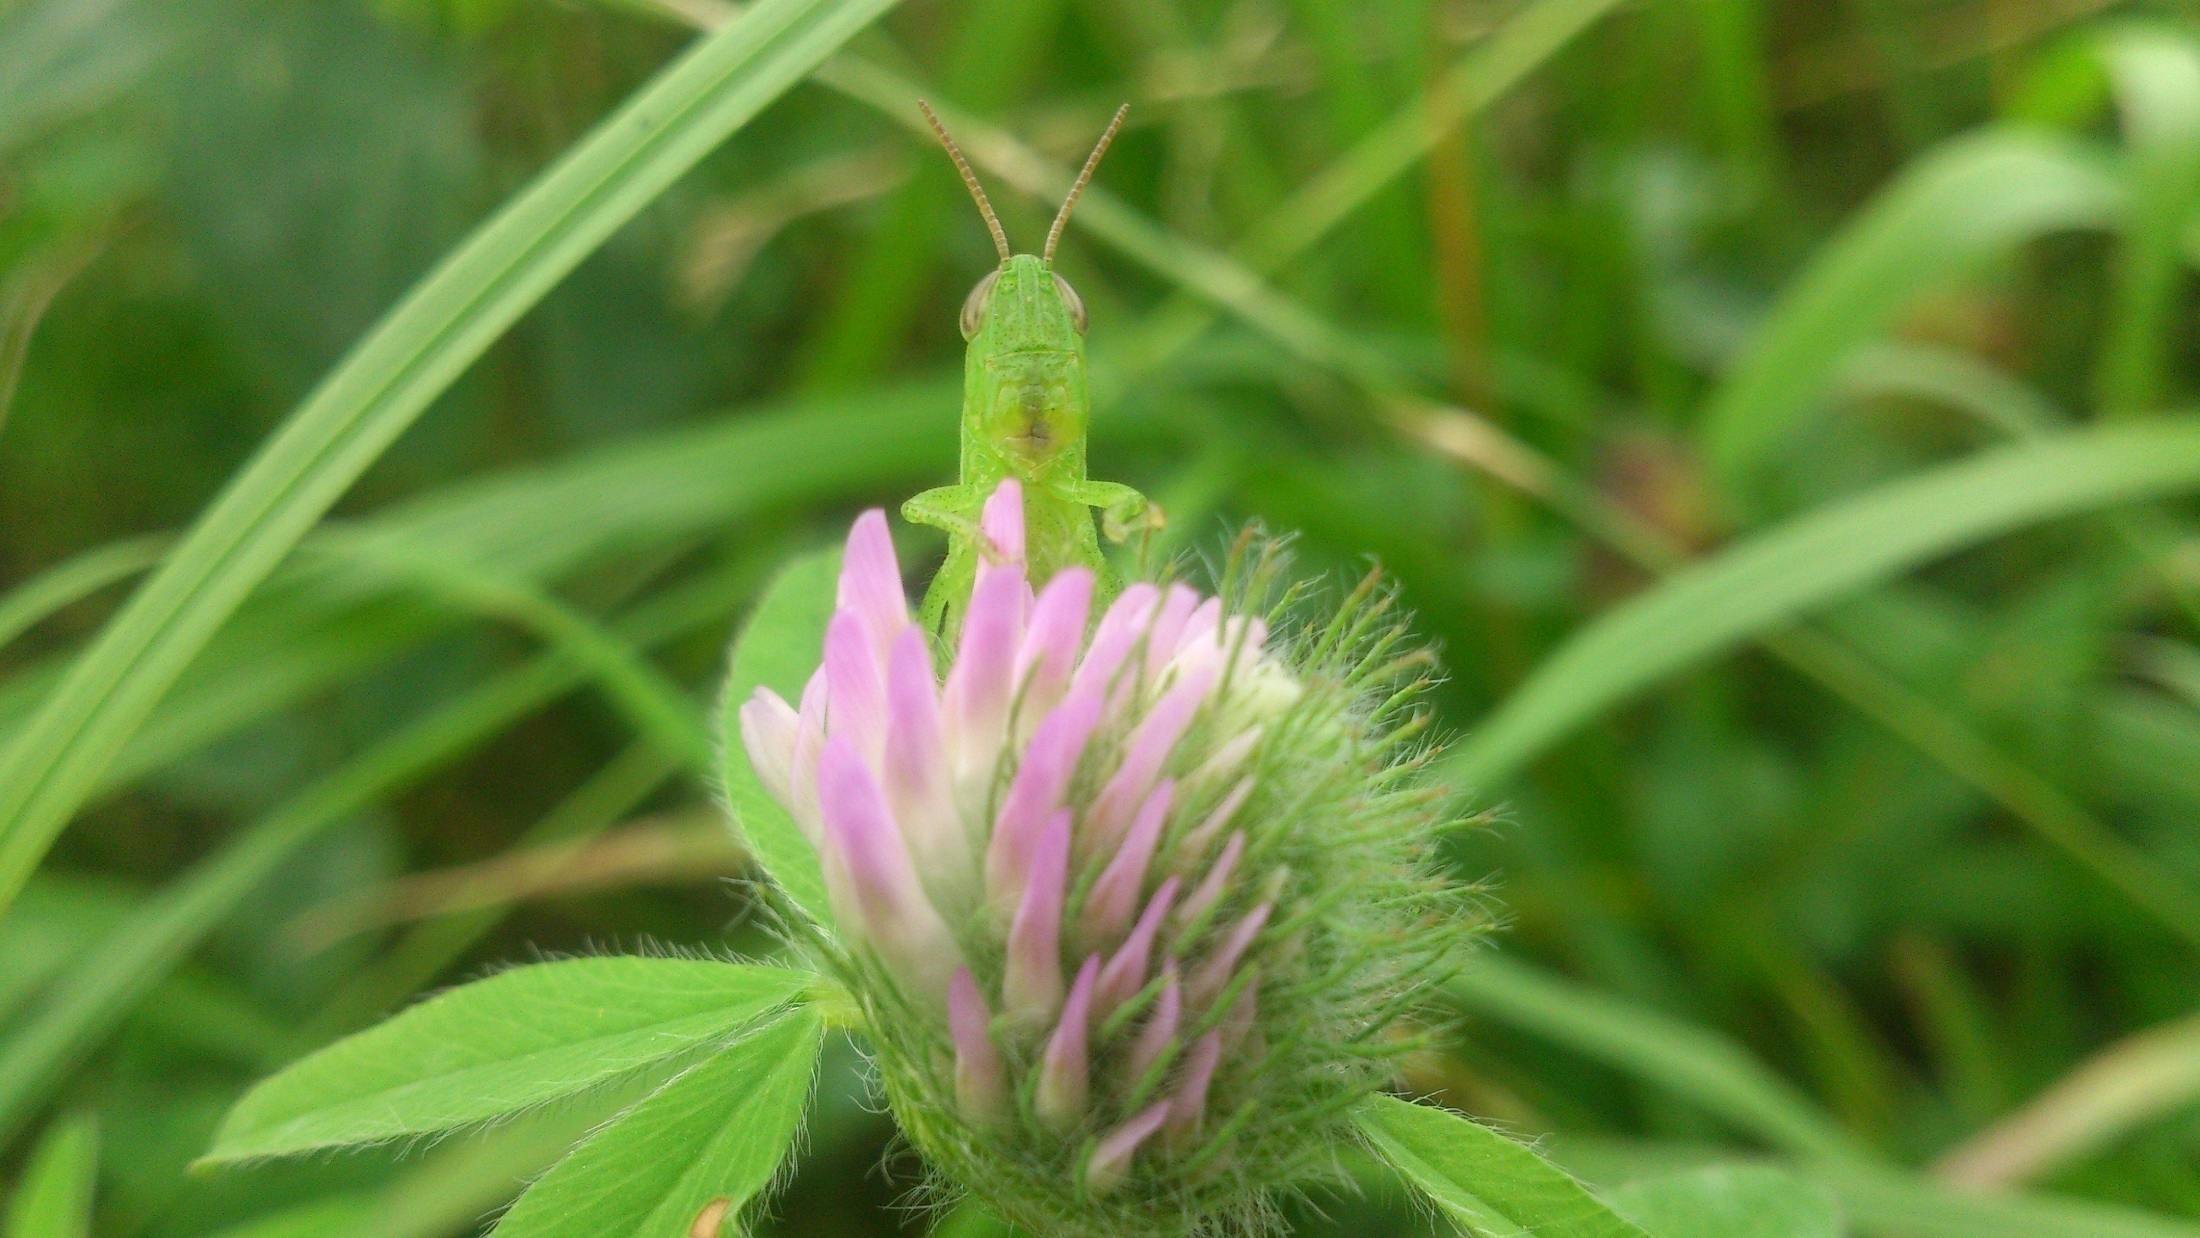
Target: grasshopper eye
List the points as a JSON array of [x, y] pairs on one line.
[[1073, 302], [973, 315]]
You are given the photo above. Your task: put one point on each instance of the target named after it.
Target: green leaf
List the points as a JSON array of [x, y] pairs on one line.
[[53, 1198], [530, 1035], [1957, 207], [1731, 1201], [716, 1133], [1491, 1185], [383, 385], [1776, 576], [778, 649]]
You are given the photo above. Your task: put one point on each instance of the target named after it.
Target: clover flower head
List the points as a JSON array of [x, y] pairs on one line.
[[1132, 892]]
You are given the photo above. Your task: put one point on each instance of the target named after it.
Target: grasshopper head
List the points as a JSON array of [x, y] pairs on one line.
[[1026, 364], [1024, 373]]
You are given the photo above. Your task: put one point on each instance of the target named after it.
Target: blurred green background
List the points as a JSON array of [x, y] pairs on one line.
[[1892, 885]]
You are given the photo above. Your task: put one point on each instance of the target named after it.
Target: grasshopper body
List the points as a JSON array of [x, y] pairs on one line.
[[1025, 415]]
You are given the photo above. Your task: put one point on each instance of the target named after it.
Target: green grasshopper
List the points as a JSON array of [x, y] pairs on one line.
[[1025, 413]]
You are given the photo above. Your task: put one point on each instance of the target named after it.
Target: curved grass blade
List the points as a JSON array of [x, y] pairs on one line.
[[1753, 587], [1707, 1070], [416, 352], [74, 580], [53, 1194], [656, 706], [713, 1138], [2153, 73], [1489, 1184], [777, 650], [1966, 202], [2141, 1078], [498, 1046]]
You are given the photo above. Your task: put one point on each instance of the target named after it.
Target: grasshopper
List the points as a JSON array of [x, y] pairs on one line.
[[1025, 413]]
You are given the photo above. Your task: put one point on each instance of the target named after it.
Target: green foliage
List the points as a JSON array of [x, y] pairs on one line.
[[710, 1139], [1492, 1186], [1844, 754], [501, 1045]]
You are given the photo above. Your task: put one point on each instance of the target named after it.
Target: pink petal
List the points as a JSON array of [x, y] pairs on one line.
[[1214, 973], [1235, 643], [982, 682], [1161, 1026], [1210, 887], [769, 726], [1202, 628], [1190, 1103], [1114, 896], [980, 1091], [855, 682], [1042, 778], [1148, 747], [1111, 1160], [1031, 989], [1197, 838], [1064, 1069], [808, 741], [870, 582], [1168, 627], [1002, 521], [1118, 632], [1125, 973], [1057, 631], [916, 764], [874, 887]]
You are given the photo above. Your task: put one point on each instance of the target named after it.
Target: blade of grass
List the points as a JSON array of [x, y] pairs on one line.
[[656, 706], [2139, 1079], [73, 580], [2154, 75], [53, 1195], [1777, 576], [387, 381], [1967, 201], [1695, 1065]]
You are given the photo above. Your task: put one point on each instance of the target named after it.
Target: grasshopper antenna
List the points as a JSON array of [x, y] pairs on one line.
[[970, 178], [1084, 178]]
